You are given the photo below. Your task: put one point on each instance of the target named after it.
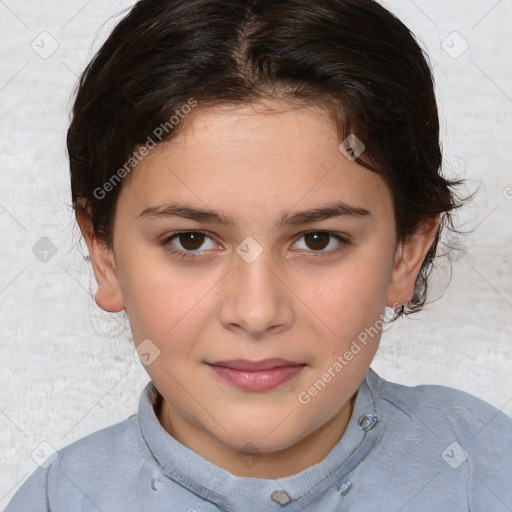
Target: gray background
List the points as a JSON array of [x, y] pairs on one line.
[[67, 367]]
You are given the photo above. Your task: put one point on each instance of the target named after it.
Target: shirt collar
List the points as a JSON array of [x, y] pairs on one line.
[[214, 484]]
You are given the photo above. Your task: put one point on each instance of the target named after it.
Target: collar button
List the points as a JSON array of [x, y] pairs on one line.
[[345, 488], [367, 421], [155, 482], [280, 497]]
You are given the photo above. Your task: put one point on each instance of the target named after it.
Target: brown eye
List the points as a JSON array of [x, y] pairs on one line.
[[320, 243], [190, 242], [317, 241]]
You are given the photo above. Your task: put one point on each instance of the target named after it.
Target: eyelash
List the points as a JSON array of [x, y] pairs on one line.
[[189, 255]]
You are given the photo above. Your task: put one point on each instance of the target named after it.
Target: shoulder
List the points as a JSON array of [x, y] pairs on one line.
[[443, 408], [98, 457], [104, 444], [467, 433]]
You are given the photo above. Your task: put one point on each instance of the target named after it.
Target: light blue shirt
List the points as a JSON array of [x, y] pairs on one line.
[[424, 448]]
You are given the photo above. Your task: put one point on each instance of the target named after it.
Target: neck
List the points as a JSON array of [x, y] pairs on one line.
[[309, 451]]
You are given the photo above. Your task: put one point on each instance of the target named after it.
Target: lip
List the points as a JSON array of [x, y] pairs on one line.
[[254, 366], [256, 375]]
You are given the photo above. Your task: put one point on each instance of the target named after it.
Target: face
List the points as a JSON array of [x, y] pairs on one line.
[[250, 238]]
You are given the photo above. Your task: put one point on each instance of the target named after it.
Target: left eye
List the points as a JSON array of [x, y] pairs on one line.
[[318, 241]]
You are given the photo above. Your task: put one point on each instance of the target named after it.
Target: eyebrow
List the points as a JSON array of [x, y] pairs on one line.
[[338, 209]]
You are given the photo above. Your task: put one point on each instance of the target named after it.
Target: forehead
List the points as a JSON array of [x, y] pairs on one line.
[[267, 158]]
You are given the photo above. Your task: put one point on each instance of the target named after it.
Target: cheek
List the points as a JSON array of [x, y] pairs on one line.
[[350, 295], [164, 303], [348, 311]]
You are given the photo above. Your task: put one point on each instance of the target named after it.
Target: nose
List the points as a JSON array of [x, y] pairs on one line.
[[255, 300]]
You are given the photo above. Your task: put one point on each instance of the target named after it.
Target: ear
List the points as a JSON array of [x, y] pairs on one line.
[[409, 257], [108, 297]]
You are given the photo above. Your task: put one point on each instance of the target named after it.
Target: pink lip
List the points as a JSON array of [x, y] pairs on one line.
[[256, 376], [254, 366]]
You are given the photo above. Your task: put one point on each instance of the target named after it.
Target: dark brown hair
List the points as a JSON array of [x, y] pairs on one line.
[[353, 57]]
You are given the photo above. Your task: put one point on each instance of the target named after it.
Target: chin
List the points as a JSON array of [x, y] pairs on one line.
[[265, 438]]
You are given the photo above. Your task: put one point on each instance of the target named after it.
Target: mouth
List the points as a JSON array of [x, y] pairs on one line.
[[256, 375]]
